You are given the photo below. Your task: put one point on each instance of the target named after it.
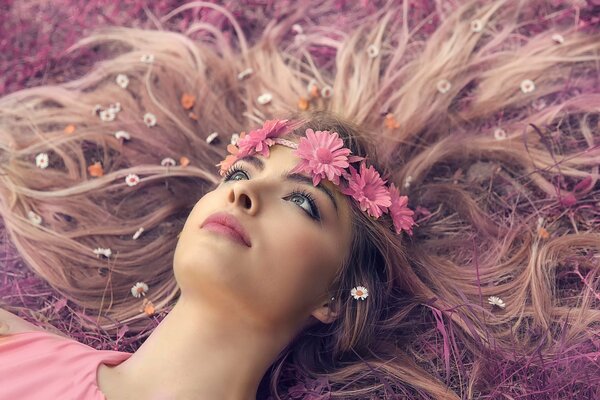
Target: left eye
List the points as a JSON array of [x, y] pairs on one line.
[[304, 197]]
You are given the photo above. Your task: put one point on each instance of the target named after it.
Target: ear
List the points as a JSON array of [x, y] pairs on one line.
[[325, 313]]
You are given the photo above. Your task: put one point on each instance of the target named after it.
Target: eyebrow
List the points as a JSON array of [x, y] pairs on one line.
[[295, 177]]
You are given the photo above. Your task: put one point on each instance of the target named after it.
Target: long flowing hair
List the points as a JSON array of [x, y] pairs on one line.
[[489, 124]]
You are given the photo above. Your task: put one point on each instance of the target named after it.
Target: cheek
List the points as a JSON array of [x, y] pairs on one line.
[[302, 263]]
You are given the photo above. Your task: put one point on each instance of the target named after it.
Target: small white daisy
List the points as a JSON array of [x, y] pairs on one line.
[[114, 108], [359, 292], [139, 289], [312, 83], [245, 74], [297, 28], [41, 160], [122, 134], [150, 119], [132, 179], [122, 80], [168, 162], [499, 134], [408, 181], [443, 86], [476, 25], [264, 98], [326, 92], [107, 115], [212, 137], [34, 218], [496, 301], [373, 51], [234, 139], [558, 38], [527, 86], [147, 58], [101, 251], [138, 233]]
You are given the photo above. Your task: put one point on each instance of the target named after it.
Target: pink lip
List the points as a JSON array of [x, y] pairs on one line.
[[228, 225]]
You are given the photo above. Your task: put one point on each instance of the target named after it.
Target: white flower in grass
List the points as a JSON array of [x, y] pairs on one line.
[[212, 137], [108, 115], [101, 251], [132, 179], [34, 218], [527, 86], [264, 98], [138, 233], [297, 28], [114, 108], [408, 181], [496, 301], [327, 91], [122, 80], [311, 85], [476, 25], [245, 74], [359, 292], [122, 134], [168, 162], [147, 58], [558, 38], [139, 289], [41, 160], [499, 134], [234, 139], [150, 119], [373, 51], [443, 86]]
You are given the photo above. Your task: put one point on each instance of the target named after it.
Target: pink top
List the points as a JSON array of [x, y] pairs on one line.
[[42, 365]]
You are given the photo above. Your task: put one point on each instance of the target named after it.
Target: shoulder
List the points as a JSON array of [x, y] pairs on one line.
[[10, 323]]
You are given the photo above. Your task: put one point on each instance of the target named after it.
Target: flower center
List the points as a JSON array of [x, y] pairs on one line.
[[324, 155]]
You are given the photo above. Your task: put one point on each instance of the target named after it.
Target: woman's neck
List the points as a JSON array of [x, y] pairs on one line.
[[198, 351]]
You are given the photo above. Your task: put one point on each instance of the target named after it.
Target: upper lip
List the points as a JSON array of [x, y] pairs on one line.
[[229, 221]]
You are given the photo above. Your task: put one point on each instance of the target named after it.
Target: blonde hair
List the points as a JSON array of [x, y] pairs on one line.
[[450, 118]]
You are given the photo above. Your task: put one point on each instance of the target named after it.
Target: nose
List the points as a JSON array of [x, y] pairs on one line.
[[244, 195]]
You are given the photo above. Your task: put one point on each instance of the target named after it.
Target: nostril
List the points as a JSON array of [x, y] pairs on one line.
[[247, 201]]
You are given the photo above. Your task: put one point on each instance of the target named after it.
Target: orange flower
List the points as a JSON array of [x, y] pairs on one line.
[[544, 234], [303, 104], [96, 169], [69, 129], [148, 307], [188, 101], [391, 122], [184, 161]]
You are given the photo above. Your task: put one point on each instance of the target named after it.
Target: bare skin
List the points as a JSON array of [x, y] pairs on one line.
[[240, 306]]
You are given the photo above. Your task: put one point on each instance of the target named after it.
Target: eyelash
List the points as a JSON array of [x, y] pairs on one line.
[[296, 191]]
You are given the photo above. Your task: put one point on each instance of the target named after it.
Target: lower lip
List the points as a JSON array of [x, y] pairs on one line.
[[226, 231]]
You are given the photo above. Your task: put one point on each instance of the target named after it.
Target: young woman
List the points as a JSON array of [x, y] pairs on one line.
[[417, 219]]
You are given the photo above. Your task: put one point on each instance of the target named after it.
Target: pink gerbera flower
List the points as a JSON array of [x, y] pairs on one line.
[[401, 214], [322, 156], [368, 189], [259, 140]]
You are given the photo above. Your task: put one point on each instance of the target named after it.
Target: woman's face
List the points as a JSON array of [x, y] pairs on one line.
[[295, 248]]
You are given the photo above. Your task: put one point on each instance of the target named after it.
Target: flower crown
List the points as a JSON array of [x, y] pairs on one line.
[[323, 156]]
